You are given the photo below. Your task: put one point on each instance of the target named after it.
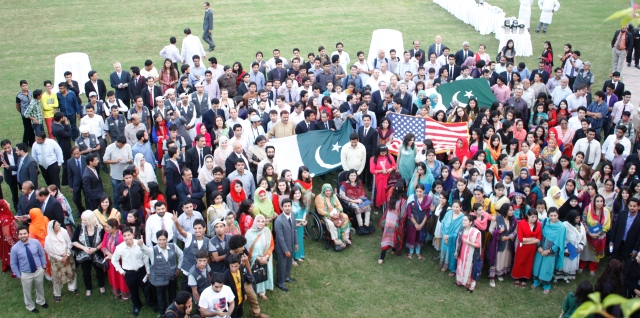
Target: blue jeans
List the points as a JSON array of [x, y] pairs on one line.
[[37, 127], [114, 185], [74, 129]]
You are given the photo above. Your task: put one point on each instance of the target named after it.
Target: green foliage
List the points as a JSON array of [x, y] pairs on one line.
[[595, 306]]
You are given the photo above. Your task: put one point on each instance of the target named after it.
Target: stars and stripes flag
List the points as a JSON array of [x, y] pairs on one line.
[[443, 135]]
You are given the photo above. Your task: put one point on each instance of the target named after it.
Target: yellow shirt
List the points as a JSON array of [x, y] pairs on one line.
[[49, 104], [238, 280]]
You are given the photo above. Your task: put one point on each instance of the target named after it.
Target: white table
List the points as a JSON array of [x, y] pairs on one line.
[[77, 63], [485, 19], [385, 39], [521, 42]]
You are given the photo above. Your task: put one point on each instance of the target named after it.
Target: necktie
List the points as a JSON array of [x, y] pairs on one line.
[[586, 156], [365, 131], [573, 70], [451, 71], [308, 128], [150, 98], [20, 168], [290, 99], [438, 50], [44, 206], [465, 55], [162, 222], [201, 158], [508, 77], [79, 166], [32, 262], [279, 73], [326, 125], [119, 76]]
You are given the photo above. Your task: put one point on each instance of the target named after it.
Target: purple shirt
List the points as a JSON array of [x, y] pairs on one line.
[[630, 220]]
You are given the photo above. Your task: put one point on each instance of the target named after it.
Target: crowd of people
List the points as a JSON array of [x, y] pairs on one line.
[[543, 187]]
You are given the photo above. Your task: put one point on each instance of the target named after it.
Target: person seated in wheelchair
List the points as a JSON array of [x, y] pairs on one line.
[[337, 223], [352, 193]]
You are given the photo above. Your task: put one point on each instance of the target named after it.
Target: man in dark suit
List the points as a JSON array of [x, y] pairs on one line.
[[378, 95], [27, 201], [218, 184], [26, 168], [91, 183], [463, 54], [508, 74], [279, 72], [286, 244], [621, 46], [62, 131], [369, 138], [416, 48], [94, 84], [437, 47], [325, 123], [172, 178], [453, 68], [236, 273], [397, 107], [209, 117], [617, 84], [149, 94], [238, 152], [136, 83], [10, 165], [626, 241], [308, 124], [49, 206], [120, 82], [383, 106], [407, 100], [72, 85], [194, 157], [75, 168], [190, 189], [544, 75]]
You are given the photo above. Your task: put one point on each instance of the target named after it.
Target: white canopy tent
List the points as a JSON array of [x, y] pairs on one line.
[[385, 39], [77, 63]]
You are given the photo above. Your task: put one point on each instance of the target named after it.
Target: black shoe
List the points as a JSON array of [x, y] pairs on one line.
[[371, 229], [283, 288], [537, 30], [45, 306], [628, 64], [290, 280], [544, 31], [362, 231], [638, 67], [338, 248], [35, 311], [136, 312]]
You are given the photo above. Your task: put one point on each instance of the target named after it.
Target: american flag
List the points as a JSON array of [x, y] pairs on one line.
[[443, 135]]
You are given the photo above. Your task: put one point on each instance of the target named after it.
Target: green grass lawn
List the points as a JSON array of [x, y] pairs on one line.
[[350, 283]]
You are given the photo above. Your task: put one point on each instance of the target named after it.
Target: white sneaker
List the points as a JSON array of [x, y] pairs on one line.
[[500, 278], [492, 283]]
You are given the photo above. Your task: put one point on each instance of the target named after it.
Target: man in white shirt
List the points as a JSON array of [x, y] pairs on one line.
[[555, 81], [135, 265], [216, 70], [187, 218], [575, 123], [577, 99], [432, 62], [621, 106], [365, 69], [159, 221], [272, 61], [590, 147], [171, 52], [96, 128], [149, 71], [354, 155], [610, 143], [48, 155], [406, 65], [464, 74], [254, 130], [233, 118], [444, 58], [527, 92], [191, 46], [344, 56], [217, 300], [197, 71], [561, 92], [374, 80], [572, 66], [238, 136]]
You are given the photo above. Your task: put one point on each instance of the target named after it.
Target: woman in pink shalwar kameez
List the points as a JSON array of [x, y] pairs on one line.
[[381, 165]]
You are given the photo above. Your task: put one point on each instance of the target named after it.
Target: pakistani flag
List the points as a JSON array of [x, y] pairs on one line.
[[462, 90], [319, 150]]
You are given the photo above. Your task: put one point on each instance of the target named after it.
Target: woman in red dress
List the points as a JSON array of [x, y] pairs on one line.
[[168, 76], [381, 165], [9, 234], [529, 234], [547, 57], [113, 237], [159, 134]]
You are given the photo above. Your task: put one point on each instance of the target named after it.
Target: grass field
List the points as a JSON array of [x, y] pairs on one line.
[[347, 284]]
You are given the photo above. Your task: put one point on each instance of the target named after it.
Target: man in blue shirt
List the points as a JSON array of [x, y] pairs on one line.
[[353, 77], [597, 111], [28, 263], [70, 106], [143, 147]]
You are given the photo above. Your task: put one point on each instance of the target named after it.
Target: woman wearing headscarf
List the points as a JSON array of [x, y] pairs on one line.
[[38, 225], [381, 165], [222, 152], [264, 206], [337, 223], [521, 163], [63, 268], [550, 254], [205, 173], [494, 150], [422, 175], [597, 223], [8, 233], [419, 100], [462, 151], [204, 132], [524, 178], [256, 153], [236, 195], [113, 237], [570, 204], [554, 198], [551, 153], [576, 236], [146, 173], [418, 211], [260, 247]]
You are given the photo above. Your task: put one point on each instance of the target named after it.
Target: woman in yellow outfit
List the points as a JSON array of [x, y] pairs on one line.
[[49, 106]]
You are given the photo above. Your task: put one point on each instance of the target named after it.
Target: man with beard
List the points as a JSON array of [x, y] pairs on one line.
[[143, 147]]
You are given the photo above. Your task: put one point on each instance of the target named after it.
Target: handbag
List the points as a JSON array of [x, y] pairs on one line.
[[258, 271], [432, 222], [82, 256]]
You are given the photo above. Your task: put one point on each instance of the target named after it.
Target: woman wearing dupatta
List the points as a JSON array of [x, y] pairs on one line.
[[519, 132], [563, 171], [236, 196], [352, 192], [524, 178], [299, 211], [106, 211], [565, 134], [264, 206], [306, 185], [146, 172], [63, 268], [9, 234], [551, 153], [385, 132], [493, 150], [38, 230], [205, 173], [393, 220], [554, 198], [406, 156], [550, 253], [576, 236], [529, 234], [597, 222], [113, 237], [500, 250], [418, 211], [450, 226], [469, 265], [448, 181], [260, 247], [381, 165], [462, 151], [337, 223], [218, 210], [423, 176]]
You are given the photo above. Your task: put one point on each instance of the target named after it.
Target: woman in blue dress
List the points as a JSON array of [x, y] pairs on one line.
[[260, 246], [407, 156], [299, 210], [450, 226], [550, 255], [423, 176]]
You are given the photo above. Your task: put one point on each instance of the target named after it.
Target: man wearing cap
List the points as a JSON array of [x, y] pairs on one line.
[[255, 130], [161, 108], [462, 55], [94, 84], [186, 113], [149, 93], [200, 101], [170, 99], [120, 82], [87, 143], [98, 105], [96, 128], [585, 76], [211, 87]]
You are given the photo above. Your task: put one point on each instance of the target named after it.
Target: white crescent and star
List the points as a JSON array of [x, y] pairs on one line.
[[321, 162], [467, 94]]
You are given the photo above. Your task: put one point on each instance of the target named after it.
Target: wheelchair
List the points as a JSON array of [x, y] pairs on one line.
[[317, 230]]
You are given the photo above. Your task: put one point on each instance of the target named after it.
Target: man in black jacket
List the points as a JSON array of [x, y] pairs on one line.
[[75, 167], [10, 159], [194, 157], [95, 85], [369, 138], [91, 183], [130, 194], [218, 184], [62, 132], [625, 240], [233, 275], [49, 206], [621, 43]]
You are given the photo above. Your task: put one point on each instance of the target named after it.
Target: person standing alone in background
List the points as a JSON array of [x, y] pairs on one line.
[[207, 26]]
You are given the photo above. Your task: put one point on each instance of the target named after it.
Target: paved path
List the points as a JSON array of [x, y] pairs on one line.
[[631, 79]]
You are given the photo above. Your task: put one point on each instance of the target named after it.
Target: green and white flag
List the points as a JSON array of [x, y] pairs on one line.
[[463, 90], [319, 150]]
